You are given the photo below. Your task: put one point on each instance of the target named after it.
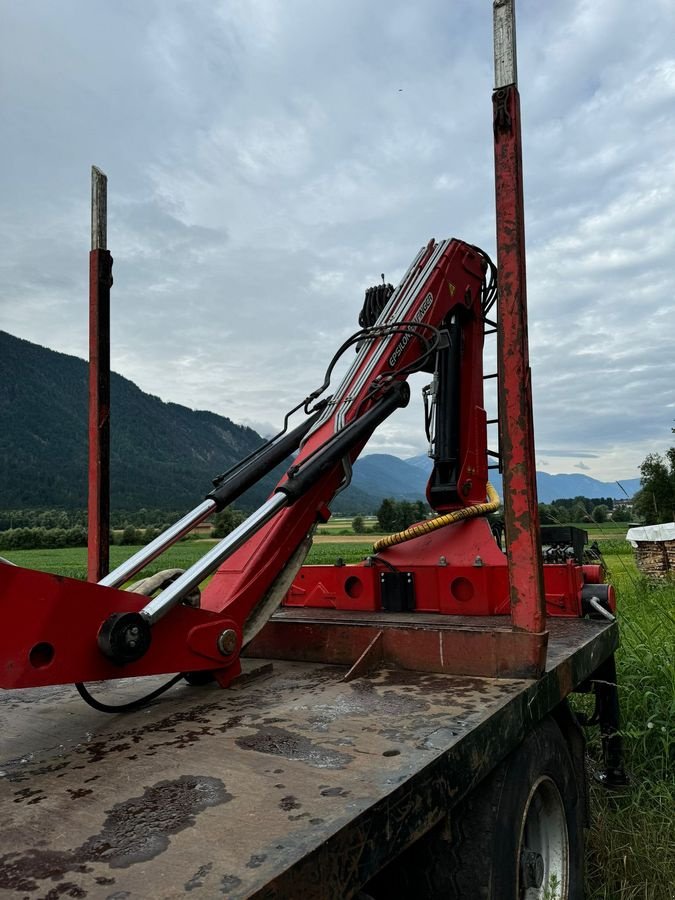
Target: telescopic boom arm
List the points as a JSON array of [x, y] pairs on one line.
[[62, 630]]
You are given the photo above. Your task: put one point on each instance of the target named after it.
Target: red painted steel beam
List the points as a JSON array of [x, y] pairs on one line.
[[100, 282], [51, 624], [415, 641], [521, 513]]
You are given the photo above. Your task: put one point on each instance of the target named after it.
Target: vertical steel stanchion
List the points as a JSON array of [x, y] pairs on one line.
[[100, 282], [521, 514]]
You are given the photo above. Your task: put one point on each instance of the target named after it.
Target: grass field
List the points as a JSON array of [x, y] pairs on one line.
[[631, 849], [340, 525], [632, 839], [72, 561], [606, 531]]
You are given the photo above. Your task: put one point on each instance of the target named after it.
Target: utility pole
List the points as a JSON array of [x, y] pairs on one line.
[[100, 282]]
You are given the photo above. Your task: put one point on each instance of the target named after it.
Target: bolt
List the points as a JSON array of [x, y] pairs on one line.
[[227, 641], [531, 868], [134, 631], [442, 561], [478, 562]]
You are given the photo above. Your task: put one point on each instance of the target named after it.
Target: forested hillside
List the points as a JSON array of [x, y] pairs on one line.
[[165, 455], [162, 455]]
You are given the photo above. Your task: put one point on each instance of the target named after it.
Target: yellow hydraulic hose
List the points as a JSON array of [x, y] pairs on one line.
[[469, 512]]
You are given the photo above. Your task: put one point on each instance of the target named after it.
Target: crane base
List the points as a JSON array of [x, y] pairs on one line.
[[483, 646]]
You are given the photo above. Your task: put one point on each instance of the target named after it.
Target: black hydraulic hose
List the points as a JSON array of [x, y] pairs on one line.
[[125, 707]]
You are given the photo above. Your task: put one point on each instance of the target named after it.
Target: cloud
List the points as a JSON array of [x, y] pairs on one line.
[[568, 454], [261, 176], [581, 465]]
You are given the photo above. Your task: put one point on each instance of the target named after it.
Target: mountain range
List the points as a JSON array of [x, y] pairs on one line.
[[164, 455], [383, 475]]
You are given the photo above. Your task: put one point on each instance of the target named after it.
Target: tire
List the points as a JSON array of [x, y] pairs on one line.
[[518, 836]]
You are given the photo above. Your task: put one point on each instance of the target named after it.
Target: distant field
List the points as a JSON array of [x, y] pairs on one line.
[[343, 525], [72, 562], [604, 532], [336, 539]]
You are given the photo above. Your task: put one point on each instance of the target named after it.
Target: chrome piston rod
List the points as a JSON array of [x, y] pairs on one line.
[[157, 608], [156, 547], [228, 488]]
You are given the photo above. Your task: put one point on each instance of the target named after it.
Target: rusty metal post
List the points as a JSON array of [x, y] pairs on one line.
[[100, 282], [521, 515]]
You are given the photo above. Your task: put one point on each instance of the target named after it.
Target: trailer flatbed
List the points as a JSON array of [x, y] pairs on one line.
[[281, 786]]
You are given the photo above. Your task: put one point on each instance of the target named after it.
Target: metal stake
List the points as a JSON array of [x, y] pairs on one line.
[[521, 514], [100, 282]]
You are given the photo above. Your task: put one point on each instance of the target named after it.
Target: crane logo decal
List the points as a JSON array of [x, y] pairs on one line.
[[405, 340]]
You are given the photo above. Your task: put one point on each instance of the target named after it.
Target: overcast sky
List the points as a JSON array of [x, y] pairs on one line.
[[268, 160]]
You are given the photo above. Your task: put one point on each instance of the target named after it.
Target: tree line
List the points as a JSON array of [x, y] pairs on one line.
[[71, 518], [38, 538], [35, 528], [397, 515], [655, 501], [583, 509], [50, 538], [67, 528]]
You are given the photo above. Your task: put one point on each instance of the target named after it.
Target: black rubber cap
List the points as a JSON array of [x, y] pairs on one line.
[[124, 637]]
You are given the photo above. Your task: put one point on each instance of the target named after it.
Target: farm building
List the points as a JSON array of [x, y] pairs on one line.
[[654, 547]]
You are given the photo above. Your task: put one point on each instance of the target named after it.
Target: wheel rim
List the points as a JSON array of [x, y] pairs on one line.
[[543, 849]]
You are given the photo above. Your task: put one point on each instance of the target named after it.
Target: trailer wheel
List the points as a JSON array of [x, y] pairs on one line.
[[521, 833], [517, 836]]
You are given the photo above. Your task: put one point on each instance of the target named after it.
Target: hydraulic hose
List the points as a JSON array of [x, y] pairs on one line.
[[457, 515]]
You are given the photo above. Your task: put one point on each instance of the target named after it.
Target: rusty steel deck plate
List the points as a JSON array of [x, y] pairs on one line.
[[281, 786]]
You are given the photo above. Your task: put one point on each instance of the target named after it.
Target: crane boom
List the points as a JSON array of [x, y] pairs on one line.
[[64, 631]]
